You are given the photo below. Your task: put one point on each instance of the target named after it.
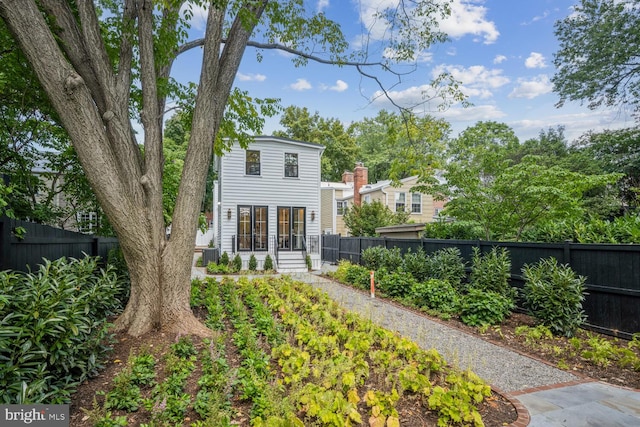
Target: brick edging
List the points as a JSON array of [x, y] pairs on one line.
[[523, 417]]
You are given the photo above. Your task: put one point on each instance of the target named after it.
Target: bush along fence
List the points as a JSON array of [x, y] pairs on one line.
[[26, 250], [612, 272]]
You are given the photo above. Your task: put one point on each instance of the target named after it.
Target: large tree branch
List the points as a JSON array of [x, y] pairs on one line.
[[151, 118]]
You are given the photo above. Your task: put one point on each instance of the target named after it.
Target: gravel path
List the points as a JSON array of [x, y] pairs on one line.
[[500, 367]]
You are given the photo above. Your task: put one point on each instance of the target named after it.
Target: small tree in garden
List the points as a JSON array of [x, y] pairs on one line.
[[253, 263], [268, 263], [553, 294], [363, 220]]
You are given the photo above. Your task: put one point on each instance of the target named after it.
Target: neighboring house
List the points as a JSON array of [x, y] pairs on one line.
[[335, 200], [355, 190], [268, 202]]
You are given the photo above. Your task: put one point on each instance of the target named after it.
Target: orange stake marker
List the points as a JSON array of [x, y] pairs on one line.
[[373, 287]]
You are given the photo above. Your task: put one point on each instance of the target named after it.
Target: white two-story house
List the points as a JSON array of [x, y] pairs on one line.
[[267, 200]]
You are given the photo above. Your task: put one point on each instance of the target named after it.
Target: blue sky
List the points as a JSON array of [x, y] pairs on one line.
[[501, 51]]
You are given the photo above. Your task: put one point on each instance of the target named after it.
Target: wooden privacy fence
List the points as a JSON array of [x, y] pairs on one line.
[[612, 272], [41, 241]]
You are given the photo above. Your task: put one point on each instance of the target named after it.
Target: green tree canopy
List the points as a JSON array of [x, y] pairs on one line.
[[598, 60], [340, 147]]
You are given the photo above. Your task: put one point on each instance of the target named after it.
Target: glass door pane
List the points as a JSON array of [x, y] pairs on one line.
[[284, 228], [260, 228], [244, 228], [298, 229]]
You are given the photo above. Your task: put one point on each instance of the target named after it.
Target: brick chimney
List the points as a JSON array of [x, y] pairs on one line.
[[347, 177], [360, 178]]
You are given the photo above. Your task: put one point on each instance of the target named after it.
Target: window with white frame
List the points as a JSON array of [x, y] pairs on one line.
[[367, 198], [87, 222], [252, 163], [291, 165], [416, 203], [341, 207], [401, 200]]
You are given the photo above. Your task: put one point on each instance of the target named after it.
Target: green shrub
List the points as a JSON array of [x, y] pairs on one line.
[[213, 268], [491, 272], [480, 307], [416, 264], [396, 284], [357, 276], [224, 258], [553, 294], [393, 259], [341, 272], [447, 264], [53, 328], [461, 230], [437, 295], [236, 265], [268, 263], [307, 261], [374, 257], [253, 263]]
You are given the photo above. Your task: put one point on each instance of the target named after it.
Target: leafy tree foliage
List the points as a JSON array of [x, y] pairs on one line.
[[397, 146], [597, 61], [364, 219], [340, 148], [486, 186]]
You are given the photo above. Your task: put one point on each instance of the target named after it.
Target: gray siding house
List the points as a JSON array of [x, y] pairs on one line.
[[267, 201]]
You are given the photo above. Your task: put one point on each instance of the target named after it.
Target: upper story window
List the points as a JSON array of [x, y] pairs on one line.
[[341, 206], [416, 203], [291, 165], [367, 198], [252, 164], [401, 200]]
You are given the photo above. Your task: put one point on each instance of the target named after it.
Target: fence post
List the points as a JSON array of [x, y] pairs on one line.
[[567, 252], [5, 243], [95, 247]]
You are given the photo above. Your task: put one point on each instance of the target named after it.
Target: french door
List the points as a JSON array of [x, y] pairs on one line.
[[291, 228], [252, 228]]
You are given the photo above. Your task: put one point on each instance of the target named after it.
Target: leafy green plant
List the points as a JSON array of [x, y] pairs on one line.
[[447, 264], [373, 257], [416, 264], [237, 263], [553, 294], [396, 284], [484, 308], [184, 347], [491, 271], [213, 268], [268, 263], [436, 294], [357, 275], [125, 395], [53, 328], [224, 259], [253, 263], [533, 336]]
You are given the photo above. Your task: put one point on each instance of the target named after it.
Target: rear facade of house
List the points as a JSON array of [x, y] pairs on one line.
[[267, 201]]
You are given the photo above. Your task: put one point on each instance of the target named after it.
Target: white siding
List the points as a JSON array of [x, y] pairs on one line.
[[271, 188]]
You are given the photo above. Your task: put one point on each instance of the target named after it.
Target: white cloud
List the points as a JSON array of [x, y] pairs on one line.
[[499, 59], [537, 18], [322, 5], [340, 86], [251, 77], [300, 85], [467, 18], [473, 113], [535, 60], [532, 88], [477, 80]]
